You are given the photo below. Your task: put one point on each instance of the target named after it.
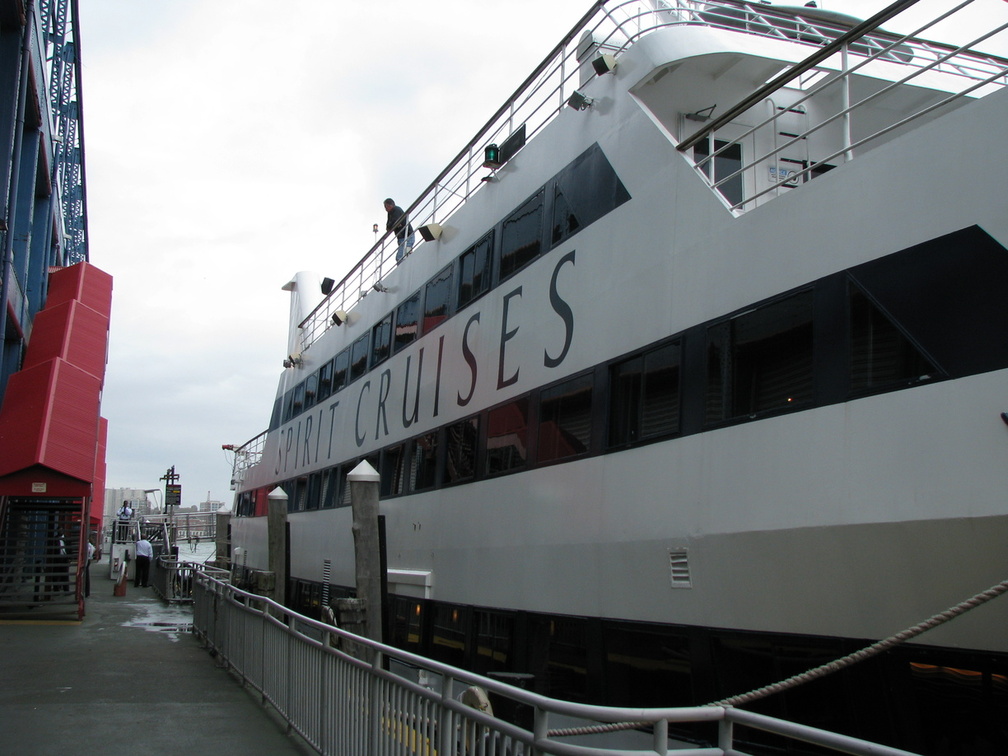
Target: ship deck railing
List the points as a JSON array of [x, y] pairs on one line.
[[611, 27], [343, 693]]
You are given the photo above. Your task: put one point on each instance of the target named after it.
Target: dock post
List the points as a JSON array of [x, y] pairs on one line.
[[277, 539], [367, 554]]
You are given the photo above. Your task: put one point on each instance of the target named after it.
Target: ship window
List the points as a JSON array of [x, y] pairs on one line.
[[407, 322], [310, 390], [565, 419], [314, 492], [726, 163], [358, 357], [325, 382], [437, 299], [392, 461], [423, 462], [408, 622], [881, 355], [341, 366], [450, 634], [460, 448], [760, 361], [507, 431], [585, 191], [381, 340], [342, 494], [474, 270], [521, 236], [288, 403], [329, 488], [646, 666], [277, 413], [494, 633], [645, 396], [297, 403]]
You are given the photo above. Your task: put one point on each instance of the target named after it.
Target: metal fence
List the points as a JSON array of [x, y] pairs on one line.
[[346, 695]]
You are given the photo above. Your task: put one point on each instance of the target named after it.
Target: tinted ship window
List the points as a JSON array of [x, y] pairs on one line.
[[644, 396], [507, 437], [474, 271], [341, 370], [381, 340], [583, 192], [325, 383], [881, 354], [423, 462], [565, 419], [460, 451], [437, 299], [521, 236], [761, 360], [726, 163], [407, 322], [358, 357]]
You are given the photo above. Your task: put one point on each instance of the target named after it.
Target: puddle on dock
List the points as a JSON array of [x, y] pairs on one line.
[[158, 618]]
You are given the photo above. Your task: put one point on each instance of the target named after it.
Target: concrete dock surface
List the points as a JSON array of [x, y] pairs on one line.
[[128, 679]]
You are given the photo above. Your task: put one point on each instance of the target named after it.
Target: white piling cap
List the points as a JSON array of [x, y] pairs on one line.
[[363, 473]]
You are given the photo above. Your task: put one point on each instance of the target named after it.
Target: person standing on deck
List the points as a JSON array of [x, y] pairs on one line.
[[398, 222], [144, 554]]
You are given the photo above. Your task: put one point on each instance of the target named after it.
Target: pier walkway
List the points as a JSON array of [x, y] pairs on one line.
[[128, 679]]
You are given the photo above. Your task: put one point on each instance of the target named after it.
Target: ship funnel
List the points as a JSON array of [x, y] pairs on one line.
[[306, 293]]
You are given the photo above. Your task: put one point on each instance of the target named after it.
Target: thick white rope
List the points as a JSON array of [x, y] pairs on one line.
[[826, 669]]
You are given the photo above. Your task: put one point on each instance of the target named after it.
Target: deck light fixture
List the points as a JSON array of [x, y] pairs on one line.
[[1004, 416], [327, 285], [430, 231], [579, 101], [702, 115], [491, 157], [604, 64], [339, 317], [379, 286]]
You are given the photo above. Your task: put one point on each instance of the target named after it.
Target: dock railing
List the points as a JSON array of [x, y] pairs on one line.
[[315, 676]]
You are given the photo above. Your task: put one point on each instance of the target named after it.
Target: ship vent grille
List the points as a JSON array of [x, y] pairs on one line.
[[679, 568]]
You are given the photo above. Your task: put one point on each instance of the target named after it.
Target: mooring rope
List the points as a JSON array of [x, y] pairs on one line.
[[825, 669]]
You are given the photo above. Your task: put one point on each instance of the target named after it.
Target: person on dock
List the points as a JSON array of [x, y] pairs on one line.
[[399, 222], [124, 516], [144, 554]]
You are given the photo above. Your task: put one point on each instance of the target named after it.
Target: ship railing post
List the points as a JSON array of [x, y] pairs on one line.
[[660, 737], [726, 732], [445, 729]]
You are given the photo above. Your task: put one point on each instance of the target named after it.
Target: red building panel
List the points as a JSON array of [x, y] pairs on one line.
[[82, 282], [73, 332]]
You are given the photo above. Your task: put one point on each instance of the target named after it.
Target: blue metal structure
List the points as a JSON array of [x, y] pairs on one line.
[[43, 216]]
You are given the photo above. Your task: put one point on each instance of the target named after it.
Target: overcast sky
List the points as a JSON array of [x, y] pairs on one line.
[[231, 143]]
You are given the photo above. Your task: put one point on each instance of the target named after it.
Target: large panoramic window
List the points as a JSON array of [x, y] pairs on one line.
[[644, 396], [474, 271], [507, 437], [583, 192], [760, 361], [521, 236], [565, 419]]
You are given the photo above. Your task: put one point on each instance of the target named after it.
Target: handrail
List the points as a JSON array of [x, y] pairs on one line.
[[794, 72], [542, 95], [359, 706]]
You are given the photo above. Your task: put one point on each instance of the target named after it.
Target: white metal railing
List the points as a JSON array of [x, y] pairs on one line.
[[342, 705], [970, 74], [613, 26], [172, 578]]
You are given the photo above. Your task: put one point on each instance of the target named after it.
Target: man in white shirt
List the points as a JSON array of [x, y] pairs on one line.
[[144, 554]]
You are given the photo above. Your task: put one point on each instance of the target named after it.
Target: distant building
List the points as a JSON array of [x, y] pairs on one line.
[[210, 505], [137, 498]]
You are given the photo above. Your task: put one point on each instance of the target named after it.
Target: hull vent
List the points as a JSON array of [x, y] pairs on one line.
[[679, 568]]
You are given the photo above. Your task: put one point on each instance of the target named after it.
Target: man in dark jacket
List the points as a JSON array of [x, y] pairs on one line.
[[398, 222]]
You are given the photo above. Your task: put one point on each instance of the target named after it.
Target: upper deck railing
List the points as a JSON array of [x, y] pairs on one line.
[[611, 27]]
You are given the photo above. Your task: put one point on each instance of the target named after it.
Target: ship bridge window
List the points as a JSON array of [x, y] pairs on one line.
[[460, 451], [474, 271], [358, 357], [521, 236], [727, 161], [645, 396], [437, 299], [341, 368], [760, 361], [507, 437], [407, 322], [881, 355], [381, 340], [565, 415]]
